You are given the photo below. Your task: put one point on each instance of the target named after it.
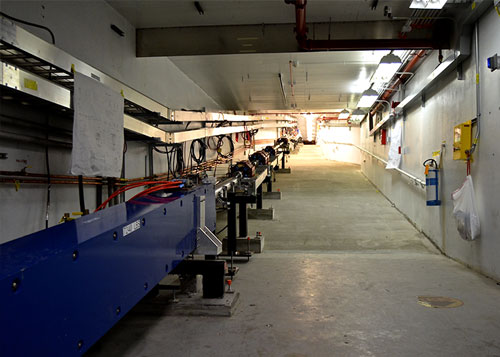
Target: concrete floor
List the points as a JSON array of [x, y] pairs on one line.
[[340, 277]]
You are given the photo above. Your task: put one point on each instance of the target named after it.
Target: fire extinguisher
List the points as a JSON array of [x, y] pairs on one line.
[[432, 182]]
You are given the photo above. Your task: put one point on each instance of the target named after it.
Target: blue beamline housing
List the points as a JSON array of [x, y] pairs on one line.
[[63, 288]]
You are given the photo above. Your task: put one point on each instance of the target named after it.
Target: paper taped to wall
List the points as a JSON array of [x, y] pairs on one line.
[[394, 150], [97, 129]]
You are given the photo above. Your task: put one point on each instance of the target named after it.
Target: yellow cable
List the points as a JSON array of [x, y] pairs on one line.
[[498, 10]]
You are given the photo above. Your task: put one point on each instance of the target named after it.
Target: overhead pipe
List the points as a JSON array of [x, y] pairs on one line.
[[420, 54], [410, 176], [295, 113], [55, 177], [333, 118], [291, 78], [349, 45]]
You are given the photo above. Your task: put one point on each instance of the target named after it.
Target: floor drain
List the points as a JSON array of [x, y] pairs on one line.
[[439, 302]]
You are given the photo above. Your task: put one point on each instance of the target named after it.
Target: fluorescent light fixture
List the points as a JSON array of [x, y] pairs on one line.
[[427, 4], [388, 66], [357, 115], [344, 114], [367, 99]]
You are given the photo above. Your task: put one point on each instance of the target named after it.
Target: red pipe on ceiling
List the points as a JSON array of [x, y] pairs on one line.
[[348, 45], [300, 19], [419, 55]]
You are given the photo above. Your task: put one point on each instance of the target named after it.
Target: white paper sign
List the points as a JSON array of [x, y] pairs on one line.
[[97, 129], [394, 155]]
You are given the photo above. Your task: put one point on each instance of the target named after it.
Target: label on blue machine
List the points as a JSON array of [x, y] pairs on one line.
[[132, 227]]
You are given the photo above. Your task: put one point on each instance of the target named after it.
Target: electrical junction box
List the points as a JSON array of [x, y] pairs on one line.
[[462, 141], [493, 62]]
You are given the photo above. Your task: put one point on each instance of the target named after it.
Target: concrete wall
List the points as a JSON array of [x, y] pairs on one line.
[[425, 128], [330, 139], [307, 124], [82, 29]]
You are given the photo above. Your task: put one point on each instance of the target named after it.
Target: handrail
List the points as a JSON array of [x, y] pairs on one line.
[[410, 176]]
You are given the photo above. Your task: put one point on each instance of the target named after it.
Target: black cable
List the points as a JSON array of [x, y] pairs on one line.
[[169, 167], [30, 24], [122, 174], [174, 157], [80, 194], [169, 154], [202, 151], [212, 143], [159, 151], [223, 123], [220, 144], [49, 185], [432, 163], [222, 230], [179, 159], [47, 209]]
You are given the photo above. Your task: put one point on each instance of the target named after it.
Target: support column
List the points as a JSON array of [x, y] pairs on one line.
[[259, 197], [270, 182], [243, 219], [231, 223]]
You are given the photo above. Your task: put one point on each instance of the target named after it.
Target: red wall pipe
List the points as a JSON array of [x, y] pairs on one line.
[[420, 54]]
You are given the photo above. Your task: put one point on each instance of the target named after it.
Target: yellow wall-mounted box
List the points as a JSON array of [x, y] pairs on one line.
[[462, 141]]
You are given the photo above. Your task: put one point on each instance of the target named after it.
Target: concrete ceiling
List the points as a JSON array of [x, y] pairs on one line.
[[322, 80], [250, 81], [151, 14]]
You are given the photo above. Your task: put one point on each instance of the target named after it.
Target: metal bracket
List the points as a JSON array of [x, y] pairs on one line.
[[207, 242], [460, 72]]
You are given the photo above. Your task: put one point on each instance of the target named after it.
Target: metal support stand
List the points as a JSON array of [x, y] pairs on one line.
[[283, 169], [242, 200], [259, 197], [243, 219], [231, 223], [269, 182], [213, 272]]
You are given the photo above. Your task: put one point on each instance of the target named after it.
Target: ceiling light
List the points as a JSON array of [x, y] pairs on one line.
[[357, 115], [388, 66], [344, 114], [427, 4], [367, 99]]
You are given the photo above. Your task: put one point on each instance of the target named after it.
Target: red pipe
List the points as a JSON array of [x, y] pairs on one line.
[[300, 19], [349, 45], [420, 54]]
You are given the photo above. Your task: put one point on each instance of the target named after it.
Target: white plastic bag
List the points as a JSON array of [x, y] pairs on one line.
[[465, 211]]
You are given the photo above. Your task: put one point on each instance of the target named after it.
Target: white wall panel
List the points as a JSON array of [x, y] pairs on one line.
[[425, 128]]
